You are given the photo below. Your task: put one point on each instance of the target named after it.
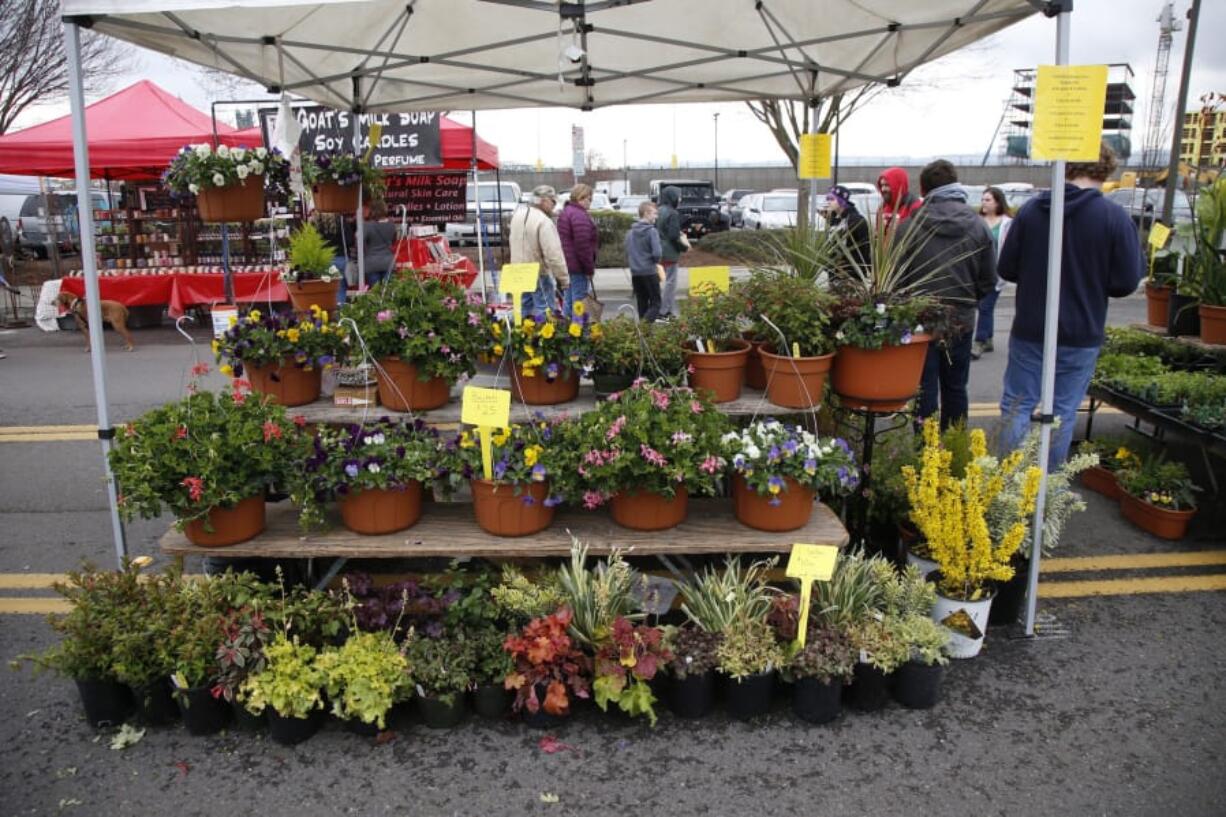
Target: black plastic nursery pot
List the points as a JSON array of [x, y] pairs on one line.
[[918, 686], [750, 696], [437, 713], [870, 690], [291, 731], [1183, 318], [692, 696], [492, 701], [245, 719], [107, 703], [154, 703], [1010, 596], [815, 701], [360, 727], [202, 713], [606, 384]]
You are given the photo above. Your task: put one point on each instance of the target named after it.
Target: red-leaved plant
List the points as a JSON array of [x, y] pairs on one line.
[[626, 663], [547, 660]]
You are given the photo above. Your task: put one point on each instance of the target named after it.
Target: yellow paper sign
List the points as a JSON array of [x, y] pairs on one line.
[[1068, 112], [1158, 234], [1128, 180], [376, 130], [515, 280], [814, 156], [810, 563], [703, 279], [486, 407]]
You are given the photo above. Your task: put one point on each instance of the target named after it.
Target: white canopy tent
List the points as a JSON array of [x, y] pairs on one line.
[[403, 55]]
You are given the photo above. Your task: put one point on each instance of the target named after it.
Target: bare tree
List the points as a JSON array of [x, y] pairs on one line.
[[33, 64]]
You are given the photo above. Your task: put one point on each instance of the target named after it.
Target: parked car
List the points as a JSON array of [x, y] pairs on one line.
[[730, 205], [866, 197], [35, 226], [1146, 204], [491, 200], [1017, 193], [768, 211], [600, 201], [699, 206], [630, 204]]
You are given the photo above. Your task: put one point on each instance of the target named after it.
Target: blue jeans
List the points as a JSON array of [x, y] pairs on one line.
[[986, 325], [545, 297], [946, 372], [340, 262], [580, 285], [1023, 391]]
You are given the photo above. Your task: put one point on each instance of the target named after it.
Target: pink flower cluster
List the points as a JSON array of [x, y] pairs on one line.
[[615, 428], [593, 499], [194, 486], [598, 457], [652, 456], [659, 399], [711, 465], [695, 407], [383, 315]]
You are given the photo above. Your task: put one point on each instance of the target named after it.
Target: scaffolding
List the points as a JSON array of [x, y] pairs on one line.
[[1014, 147]]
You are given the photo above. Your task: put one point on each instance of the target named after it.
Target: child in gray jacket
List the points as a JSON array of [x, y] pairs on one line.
[[643, 252]]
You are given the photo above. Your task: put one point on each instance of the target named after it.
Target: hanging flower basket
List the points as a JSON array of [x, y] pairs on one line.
[[285, 383], [795, 506], [313, 293], [539, 391], [400, 388], [755, 372], [645, 510], [721, 373], [229, 525], [239, 202], [795, 382], [884, 379], [331, 197], [502, 511], [382, 510]]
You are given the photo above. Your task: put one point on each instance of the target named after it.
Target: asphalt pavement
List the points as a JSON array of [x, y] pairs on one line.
[[1118, 708]]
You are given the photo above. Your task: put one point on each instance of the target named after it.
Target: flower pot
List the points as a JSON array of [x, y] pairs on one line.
[[437, 713], [1184, 319], [154, 704], [645, 510], [721, 373], [816, 702], [501, 511], [925, 565], [1163, 523], [967, 622], [1101, 480], [750, 696], [1212, 324], [795, 382], [331, 197], [400, 389], [107, 703], [305, 294], [285, 383], [245, 719], [755, 372], [230, 525], [692, 696], [291, 731], [202, 713], [882, 379], [381, 510], [606, 384], [870, 688], [1010, 595], [1157, 305], [918, 686], [239, 202], [793, 509], [539, 391], [492, 701]]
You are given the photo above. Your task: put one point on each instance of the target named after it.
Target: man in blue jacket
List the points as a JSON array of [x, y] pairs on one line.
[[1101, 259]]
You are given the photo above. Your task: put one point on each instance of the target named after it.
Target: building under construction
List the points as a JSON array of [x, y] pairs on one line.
[[1203, 142], [1117, 113]]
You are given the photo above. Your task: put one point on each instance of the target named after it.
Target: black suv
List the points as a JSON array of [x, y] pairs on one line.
[[699, 208]]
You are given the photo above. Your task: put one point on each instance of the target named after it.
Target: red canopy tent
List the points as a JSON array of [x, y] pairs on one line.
[[133, 134]]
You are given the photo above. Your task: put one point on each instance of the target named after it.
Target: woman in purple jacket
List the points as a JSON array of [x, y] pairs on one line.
[[579, 243]]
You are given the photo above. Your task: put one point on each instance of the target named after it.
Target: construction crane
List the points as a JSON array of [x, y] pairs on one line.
[[1153, 153]]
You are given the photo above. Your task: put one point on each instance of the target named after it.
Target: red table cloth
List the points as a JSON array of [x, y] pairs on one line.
[[181, 290]]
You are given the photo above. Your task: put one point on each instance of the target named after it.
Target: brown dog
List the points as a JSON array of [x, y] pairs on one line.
[[113, 312]]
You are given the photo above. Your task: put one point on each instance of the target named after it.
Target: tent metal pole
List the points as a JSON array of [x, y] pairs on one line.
[[1051, 327], [89, 264], [1172, 173], [485, 290], [361, 217], [812, 108]]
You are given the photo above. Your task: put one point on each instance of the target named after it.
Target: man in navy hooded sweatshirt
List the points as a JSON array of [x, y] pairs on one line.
[[1101, 259]]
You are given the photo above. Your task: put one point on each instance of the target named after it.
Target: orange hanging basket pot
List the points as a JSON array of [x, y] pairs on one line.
[[285, 383], [229, 525], [382, 510], [884, 379], [501, 511], [1157, 305], [755, 372], [331, 197], [306, 294], [647, 510], [537, 391], [721, 373], [239, 202], [755, 510], [795, 382], [400, 388]]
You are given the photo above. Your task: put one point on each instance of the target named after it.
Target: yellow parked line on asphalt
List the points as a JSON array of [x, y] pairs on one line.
[[63, 437], [33, 606], [43, 429], [1133, 561], [1130, 587], [29, 581]]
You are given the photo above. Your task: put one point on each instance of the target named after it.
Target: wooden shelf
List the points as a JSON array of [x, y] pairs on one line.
[[449, 530], [1187, 340]]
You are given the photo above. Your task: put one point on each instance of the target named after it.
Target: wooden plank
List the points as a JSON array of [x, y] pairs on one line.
[[449, 530], [1187, 340]]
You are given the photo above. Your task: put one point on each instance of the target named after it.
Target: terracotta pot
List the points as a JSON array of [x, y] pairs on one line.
[[755, 372], [884, 379], [649, 511], [537, 391], [305, 294], [1163, 523], [1157, 305], [721, 373], [502, 512], [1212, 324], [285, 383], [754, 510], [795, 382], [331, 197], [381, 510], [230, 525], [1101, 480], [240, 202], [401, 390]]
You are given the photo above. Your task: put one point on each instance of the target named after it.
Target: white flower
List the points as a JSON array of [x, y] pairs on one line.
[[261, 153], [880, 309], [256, 167], [373, 468], [203, 150], [242, 171], [379, 439], [219, 180], [753, 452], [919, 327], [839, 335], [237, 153], [223, 151], [366, 440], [195, 188]]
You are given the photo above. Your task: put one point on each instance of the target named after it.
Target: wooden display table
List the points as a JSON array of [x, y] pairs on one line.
[[1193, 341]]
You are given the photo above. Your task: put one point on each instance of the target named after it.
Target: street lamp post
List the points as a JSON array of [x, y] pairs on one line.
[[716, 115], [625, 168]]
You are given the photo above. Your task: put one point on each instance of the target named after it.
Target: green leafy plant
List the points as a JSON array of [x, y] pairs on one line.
[[520, 599], [1116, 452], [926, 641], [442, 668], [256, 339], [491, 663], [141, 647], [625, 663], [524, 454], [878, 642], [715, 318], [767, 453], [291, 683], [202, 167], [628, 348], [794, 305], [310, 257], [597, 598], [695, 650], [1208, 267], [802, 252], [827, 656], [905, 591], [749, 648], [345, 169], [1161, 482], [715, 600], [365, 676], [854, 591], [545, 344], [875, 324]]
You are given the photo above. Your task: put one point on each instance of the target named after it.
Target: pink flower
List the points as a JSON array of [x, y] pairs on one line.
[[659, 399], [695, 407], [194, 486], [299, 421], [200, 369], [271, 431], [239, 397], [690, 368], [474, 319], [652, 456], [592, 499], [451, 303], [181, 433], [383, 315], [615, 428], [710, 465], [681, 437]]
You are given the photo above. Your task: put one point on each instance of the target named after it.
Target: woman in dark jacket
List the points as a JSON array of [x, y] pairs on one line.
[[578, 233]]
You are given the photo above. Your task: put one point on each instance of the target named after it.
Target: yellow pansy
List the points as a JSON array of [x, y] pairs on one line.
[[531, 454], [527, 372], [466, 440], [579, 308], [307, 327], [596, 331], [536, 360], [547, 331], [233, 319], [292, 334], [216, 345], [575, 330], [280, 333], [226, 369], [496, 329], [498, 349], [529, 349]]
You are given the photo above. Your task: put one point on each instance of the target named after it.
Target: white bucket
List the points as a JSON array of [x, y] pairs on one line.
[[925, 565], [960, 644]]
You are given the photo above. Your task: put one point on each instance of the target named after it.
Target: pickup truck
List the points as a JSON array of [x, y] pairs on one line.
[[700, 206], [466, 233]]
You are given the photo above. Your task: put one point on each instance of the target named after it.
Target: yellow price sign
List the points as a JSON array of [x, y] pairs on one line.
[[704, 279], [1068, 112], [486, 409], [1158, 235], [376, 131], [515, 280], [810, 563], [814, 156]]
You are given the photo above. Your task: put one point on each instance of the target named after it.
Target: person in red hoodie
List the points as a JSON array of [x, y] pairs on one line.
[[898, 203]]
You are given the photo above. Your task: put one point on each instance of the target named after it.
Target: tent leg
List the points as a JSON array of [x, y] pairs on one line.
[[360, 240], [1051, 325], [485, 287], [89, 263]]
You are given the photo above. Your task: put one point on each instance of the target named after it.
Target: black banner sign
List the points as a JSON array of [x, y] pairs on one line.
[[406, 141], [430, 198]]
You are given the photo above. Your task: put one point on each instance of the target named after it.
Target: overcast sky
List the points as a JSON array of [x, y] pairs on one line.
[[950, 107]]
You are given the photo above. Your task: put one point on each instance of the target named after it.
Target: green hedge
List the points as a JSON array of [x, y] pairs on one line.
[[611, 228], [749, 247]]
